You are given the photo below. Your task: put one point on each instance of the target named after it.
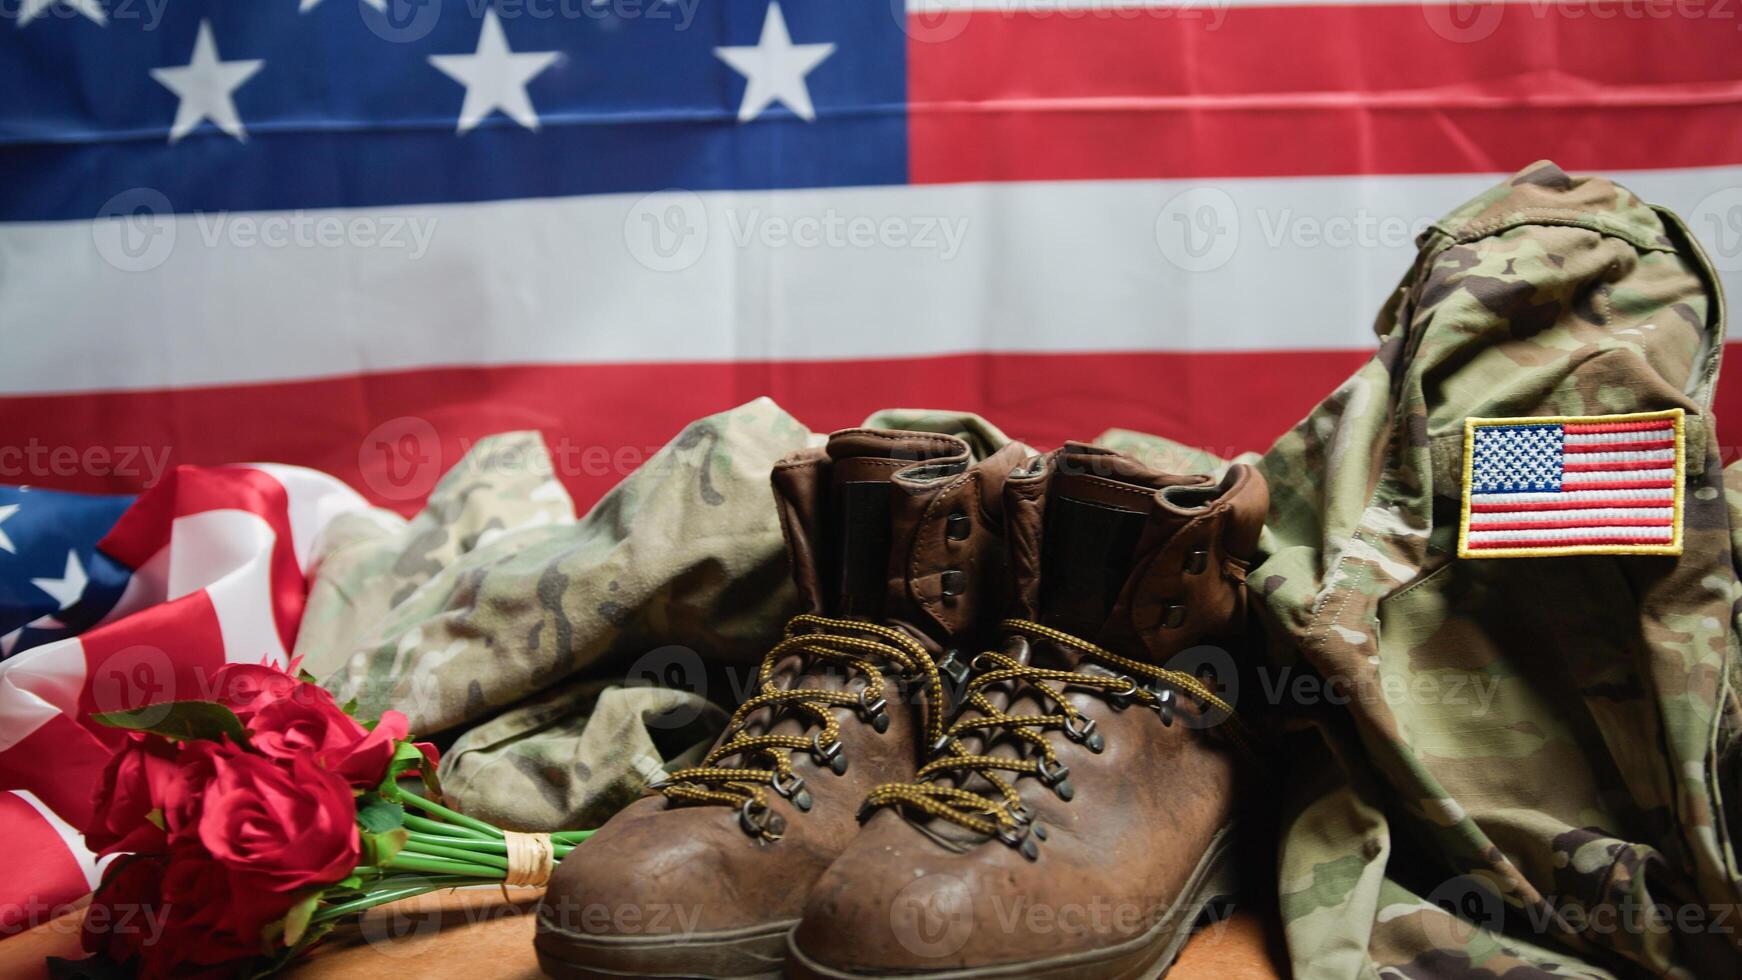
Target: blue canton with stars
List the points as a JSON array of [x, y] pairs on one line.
[[1516, 459], [54, 581]]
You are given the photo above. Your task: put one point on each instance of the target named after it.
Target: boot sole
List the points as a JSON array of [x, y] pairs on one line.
[[751, 953], [1144, 957]]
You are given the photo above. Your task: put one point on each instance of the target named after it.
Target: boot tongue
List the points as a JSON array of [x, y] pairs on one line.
[[868, 523]]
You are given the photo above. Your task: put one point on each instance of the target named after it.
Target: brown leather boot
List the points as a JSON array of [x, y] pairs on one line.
[[895, 540], [1077, 817]]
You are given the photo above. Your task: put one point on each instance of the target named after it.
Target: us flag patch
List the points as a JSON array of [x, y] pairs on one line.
[[1573, 485]]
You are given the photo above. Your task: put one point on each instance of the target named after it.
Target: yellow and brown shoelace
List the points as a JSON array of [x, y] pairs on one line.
[[1006, 817], [864, 647]]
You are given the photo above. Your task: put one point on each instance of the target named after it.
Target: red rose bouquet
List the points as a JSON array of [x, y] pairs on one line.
[[253, 824]]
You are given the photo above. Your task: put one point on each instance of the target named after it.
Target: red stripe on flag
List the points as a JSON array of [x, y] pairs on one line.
[[1561, 525], [1603, 428], [602, 420], [1214, 92], [1635, 464], [60, 762], [41, 876], [1620, 485], [1563, 542], [1620, 447], [164, 652]]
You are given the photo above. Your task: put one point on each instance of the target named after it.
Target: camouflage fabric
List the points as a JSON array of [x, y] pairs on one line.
[[568, 660], [1507, 766]]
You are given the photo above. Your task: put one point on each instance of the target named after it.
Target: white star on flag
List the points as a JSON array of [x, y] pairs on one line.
[[5, 542], [204, 85], [494, 76], [67, 589], [32, 9], [775, 69]]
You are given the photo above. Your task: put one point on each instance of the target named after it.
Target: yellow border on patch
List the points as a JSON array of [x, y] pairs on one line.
[[1673, 548]]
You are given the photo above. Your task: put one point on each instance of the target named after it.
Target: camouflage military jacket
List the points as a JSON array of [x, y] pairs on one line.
[[1512, 753]]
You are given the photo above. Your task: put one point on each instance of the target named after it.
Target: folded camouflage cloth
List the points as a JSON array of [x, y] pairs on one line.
[[570, 660], [1500, 556]]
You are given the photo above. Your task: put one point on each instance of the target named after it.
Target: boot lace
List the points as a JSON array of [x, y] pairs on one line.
[[862, 647], [1005, 816]]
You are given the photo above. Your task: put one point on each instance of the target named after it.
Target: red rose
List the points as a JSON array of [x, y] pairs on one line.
[[310, 723], [278, 828], [127, 911], [184, 795], [246, 688], [210, 923], [136, 782]]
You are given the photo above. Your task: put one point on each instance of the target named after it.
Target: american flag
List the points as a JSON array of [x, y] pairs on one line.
[[112, 606], [358, 235], [1606, 484]]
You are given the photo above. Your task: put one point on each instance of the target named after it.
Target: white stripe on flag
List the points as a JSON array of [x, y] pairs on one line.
[[1052, 266], [1584, 514], [1618, 476], [1663, 533], [1634, 456]]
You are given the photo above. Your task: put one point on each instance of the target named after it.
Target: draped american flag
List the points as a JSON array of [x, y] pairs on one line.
[[357, 235]]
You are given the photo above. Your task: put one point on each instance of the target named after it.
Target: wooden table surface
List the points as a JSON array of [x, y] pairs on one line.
[[476, 934]]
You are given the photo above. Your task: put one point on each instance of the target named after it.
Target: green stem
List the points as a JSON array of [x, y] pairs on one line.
[[443, 866], [424, 849], [426, 825], [468, 843], [459, 819], [369, 901], [571, 837]]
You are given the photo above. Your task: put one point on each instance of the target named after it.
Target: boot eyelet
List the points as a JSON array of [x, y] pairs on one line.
[[1197, 561], [1056, 775], [951, 666], [953, 582], [1164, 705], [829, 755], [1081, 730], [1122, 699], [874, 712], [1019, 813], [792, 786], [1173, 617], [1020, 838], [761, 822], [978, 665], [958, 526]]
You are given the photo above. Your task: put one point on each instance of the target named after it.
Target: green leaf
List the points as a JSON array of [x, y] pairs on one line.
[[378, 849], [296, 920], [406, 757], [180, 720], [381, 816], [350, 707]]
